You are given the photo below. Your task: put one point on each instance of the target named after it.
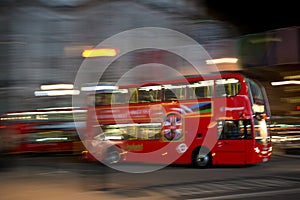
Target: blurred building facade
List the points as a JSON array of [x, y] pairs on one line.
[[273, 57], [42, 41]]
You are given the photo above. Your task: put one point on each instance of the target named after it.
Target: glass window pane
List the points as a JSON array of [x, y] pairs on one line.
[[174, 92], [201, 89], [227, 87], [133, 95], [234, 129], [149, 93]]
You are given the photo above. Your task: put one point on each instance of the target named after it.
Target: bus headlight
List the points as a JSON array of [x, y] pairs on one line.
[[256, 149]]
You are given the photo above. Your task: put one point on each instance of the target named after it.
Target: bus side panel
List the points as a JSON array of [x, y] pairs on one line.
[[198, 133], [231, 152]]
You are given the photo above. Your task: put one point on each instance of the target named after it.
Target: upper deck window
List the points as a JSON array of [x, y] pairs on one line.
[[201, 89], [227, 87], [174, 92], [149, 94], [116, 96]]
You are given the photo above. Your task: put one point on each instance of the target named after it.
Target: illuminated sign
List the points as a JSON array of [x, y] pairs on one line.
[[102, 52]]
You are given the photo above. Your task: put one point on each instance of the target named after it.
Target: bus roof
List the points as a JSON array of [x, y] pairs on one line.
[[104, 87]]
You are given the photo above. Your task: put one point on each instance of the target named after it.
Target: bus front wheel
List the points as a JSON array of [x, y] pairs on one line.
[[113, 156], [201, 158]]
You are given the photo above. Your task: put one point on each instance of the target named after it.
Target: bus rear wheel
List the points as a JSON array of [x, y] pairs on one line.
[[201, 158], [113, 156]]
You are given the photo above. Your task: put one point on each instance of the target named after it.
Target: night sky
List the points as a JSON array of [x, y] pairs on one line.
[[252, 16]]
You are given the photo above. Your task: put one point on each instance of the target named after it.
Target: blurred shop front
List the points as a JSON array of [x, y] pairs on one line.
[[273, 57]]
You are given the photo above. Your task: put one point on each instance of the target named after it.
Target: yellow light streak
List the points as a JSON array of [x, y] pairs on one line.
[[89, 53]]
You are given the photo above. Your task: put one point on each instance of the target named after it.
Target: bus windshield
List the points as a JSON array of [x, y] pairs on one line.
[[256, 97], [260, 112]]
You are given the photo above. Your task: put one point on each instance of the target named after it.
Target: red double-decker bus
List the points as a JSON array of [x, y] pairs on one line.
[[214, 119], [50, 130]]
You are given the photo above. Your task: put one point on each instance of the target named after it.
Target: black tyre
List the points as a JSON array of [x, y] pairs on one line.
[[113, 156], [202, 158]]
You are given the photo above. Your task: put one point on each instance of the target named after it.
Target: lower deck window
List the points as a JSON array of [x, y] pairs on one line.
[[151, 131], [234, 129]]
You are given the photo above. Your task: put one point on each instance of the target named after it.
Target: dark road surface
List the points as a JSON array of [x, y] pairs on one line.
[[68, 177]]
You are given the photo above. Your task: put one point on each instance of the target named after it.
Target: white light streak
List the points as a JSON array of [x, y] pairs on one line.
[[99, 87], [57, 87], [221, 60], [56, 92], [285, 83]]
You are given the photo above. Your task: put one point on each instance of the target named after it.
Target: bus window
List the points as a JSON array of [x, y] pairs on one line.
[[149, 94], [234, 129], [201, 89], [144, 96], [256, 96], [256, 92], [133, 95], [102, 99], [115, 132], [169, 95], [120, 96], [156, 94], [132, 132], [150, 132], [174, 92], [227, 87]]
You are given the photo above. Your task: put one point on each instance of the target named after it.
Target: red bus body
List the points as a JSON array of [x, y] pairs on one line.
[[41, 131], [185, 130]]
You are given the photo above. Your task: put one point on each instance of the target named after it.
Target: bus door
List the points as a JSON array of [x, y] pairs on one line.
[[234, 142]]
